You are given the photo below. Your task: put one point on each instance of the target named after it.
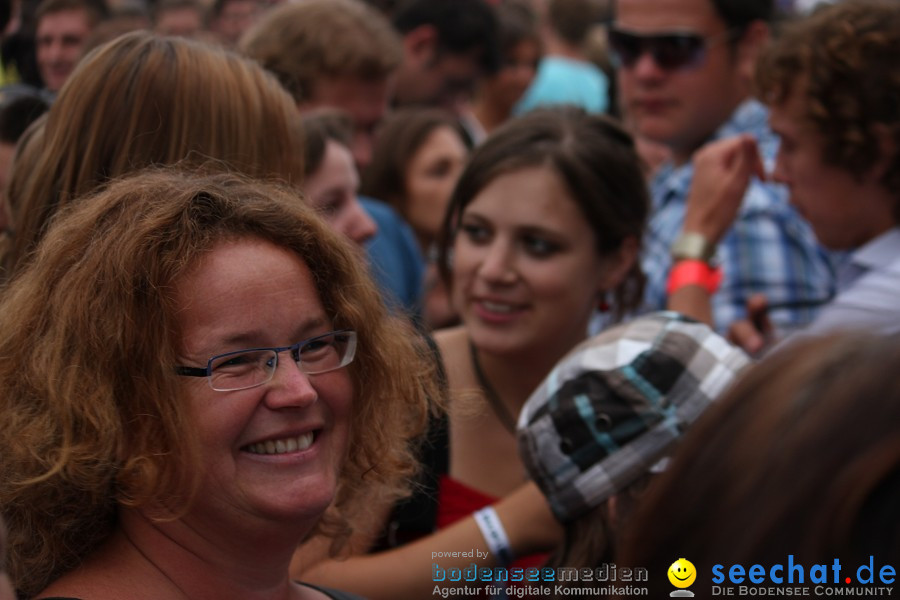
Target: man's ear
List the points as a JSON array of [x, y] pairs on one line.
[[755, 37], [420, 44]]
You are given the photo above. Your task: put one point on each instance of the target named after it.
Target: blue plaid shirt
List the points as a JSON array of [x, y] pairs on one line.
[[769, 249]]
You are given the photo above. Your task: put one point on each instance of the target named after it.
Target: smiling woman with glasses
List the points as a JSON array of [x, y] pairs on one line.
[[157, 441]]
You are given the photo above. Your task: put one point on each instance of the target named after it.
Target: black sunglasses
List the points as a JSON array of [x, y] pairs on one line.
[[670, 51]]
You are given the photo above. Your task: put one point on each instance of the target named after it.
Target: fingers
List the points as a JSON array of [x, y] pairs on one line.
[[722, 171], [723, 152], [738, 155], [758, 313], [756, 331], [758, 304], [745, 335], [746, 161], [755, 162]]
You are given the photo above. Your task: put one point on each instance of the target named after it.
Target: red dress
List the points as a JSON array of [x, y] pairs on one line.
[[457, 500]]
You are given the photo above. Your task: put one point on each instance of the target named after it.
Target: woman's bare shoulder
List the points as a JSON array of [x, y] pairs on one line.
[[453, 343], [451, 340]]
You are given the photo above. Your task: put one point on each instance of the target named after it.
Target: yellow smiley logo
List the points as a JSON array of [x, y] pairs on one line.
[[682, 573]]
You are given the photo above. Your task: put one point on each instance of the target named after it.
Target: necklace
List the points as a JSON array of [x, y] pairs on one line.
[[503, 414]]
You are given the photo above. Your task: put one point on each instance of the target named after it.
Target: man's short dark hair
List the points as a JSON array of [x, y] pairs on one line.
[[5, 13], [738, 14], [463, 26], [572, 20]]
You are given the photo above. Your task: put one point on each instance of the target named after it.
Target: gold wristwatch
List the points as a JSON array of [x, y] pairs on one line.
[[692, 246]]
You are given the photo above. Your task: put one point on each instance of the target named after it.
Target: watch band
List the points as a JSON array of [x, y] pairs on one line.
[[692, 246]]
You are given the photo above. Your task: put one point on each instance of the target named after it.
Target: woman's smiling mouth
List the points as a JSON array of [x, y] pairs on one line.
[[283, 445]]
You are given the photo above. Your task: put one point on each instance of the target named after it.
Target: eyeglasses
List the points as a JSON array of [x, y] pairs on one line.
[[244, 369], [670, 51]]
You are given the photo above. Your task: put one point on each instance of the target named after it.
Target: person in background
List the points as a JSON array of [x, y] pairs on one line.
[[684, 71], [63, 26], [183, 18], [222, 350], [565, 75], [447, 46], [800, 458], [331, 54], [419, 154], [831, 87], [330, 181], [497, 93], [342, 54], [604, 420], [174, 101], [122, 21], [230, 19]]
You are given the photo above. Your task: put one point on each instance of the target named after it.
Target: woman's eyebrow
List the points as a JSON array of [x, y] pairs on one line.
[[251, 338]]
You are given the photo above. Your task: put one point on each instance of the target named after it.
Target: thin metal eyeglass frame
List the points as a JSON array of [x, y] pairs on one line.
[[295, 355]]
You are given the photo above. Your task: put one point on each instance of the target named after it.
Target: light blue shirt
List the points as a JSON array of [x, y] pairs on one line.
[[562, 80], [396, 262]]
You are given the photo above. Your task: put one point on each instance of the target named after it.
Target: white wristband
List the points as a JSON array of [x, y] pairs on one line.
[[494, 534]]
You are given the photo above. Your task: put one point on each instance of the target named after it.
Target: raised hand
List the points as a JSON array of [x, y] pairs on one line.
[[722, 171]]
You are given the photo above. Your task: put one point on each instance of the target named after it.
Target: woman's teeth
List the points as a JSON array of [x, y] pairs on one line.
[[283, 446], [498, 308]]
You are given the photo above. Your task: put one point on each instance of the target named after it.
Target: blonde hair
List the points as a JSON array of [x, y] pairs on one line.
[[93, 410], [142, 101]]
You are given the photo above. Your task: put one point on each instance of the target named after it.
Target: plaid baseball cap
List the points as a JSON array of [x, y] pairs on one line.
[[616, 405]]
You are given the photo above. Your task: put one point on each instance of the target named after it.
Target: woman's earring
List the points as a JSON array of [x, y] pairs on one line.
[[602, 303]]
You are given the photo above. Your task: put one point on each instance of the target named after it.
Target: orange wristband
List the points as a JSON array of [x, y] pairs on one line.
[[694, 272]]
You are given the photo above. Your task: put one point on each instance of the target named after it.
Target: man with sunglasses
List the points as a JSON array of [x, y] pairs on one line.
[[832, 84], [684, 73]]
